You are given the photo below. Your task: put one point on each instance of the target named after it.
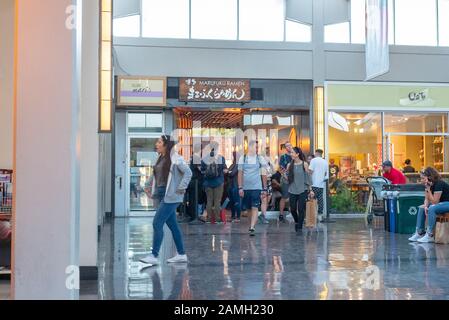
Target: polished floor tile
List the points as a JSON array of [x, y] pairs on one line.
[[4, 289], [343, 260]]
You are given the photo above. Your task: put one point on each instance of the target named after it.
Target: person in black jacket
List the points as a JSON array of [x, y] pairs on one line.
[[233, 190], [408, 167], [196, 194]]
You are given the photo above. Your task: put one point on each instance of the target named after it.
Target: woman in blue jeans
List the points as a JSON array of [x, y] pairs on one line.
[[435, 203], [169, 183]]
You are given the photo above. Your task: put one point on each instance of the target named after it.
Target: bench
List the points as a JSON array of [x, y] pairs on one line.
[[443, 217]]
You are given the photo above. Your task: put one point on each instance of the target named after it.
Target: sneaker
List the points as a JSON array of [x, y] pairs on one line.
[[263, 219], [151, 259], [252, 232], [298, 228], [427, 239], [415, 237], [178, 259]]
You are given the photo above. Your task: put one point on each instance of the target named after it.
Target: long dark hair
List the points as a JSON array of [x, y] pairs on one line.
[[291, 169], [169, 144], [432, 174]]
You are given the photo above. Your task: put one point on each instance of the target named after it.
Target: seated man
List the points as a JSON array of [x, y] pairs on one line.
[[436, 202], [394, 175]]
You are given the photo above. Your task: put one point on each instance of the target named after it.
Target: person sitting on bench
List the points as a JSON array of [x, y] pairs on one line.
[[436, 203]]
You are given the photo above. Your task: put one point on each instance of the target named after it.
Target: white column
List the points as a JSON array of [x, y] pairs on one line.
[[6, 82], [46, 226], [89, 139], [319, 57]]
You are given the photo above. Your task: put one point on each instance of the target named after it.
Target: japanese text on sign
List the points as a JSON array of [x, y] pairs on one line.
[[207, 90]]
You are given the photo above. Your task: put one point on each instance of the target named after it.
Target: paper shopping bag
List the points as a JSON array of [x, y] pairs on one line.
[[311, 213], [442, 233]]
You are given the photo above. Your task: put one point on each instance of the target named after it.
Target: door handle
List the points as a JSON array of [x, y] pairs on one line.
[[120, 182]]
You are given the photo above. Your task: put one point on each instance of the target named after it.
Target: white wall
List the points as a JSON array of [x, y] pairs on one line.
[[46, 217], [407, 63], [274, 60], [175, 58], [89, 136], [6, 82]]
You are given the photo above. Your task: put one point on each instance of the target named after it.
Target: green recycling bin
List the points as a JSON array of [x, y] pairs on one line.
[[408, 206]]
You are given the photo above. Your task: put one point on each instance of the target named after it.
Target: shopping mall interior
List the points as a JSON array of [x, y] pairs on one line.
[[88, 87]]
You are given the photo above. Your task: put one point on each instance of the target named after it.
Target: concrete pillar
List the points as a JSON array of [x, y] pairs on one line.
[[89, 141], [319, 58], [6, 82], [47, 150]]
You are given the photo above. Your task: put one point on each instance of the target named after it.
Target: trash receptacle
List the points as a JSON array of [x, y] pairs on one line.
[[391, 198], [403, 203]]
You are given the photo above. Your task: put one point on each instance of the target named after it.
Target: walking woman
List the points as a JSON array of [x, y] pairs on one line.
[[171, 178], [299, 186]]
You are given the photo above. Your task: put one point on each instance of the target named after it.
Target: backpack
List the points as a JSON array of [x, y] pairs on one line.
[[212, 170]]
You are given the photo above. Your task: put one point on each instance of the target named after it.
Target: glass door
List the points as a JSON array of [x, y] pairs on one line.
[[420, 139], [142, 158]]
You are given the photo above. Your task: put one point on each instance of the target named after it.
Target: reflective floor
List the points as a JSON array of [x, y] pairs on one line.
[[343, 260], [4, 289]]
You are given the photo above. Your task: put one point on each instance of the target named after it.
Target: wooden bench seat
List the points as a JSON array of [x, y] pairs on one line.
[[443, 217]]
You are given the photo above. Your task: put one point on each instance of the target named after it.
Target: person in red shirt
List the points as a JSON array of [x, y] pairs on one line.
[[392, 174]]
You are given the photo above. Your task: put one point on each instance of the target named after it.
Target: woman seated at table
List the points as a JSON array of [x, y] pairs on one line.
[[435, 203]]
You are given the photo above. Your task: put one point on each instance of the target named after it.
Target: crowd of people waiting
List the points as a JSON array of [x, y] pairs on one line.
[[252, 184]]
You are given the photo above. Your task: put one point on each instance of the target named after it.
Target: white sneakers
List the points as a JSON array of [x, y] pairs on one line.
[[178, 259], [151, 259], [422, 239], [427, 239], [415, 237]]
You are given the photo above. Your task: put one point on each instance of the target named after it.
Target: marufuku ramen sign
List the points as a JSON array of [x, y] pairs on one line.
[[214, 90], [142, 91]]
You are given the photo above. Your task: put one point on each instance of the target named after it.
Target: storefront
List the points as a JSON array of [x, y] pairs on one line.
[[201, 109], [367, 123]]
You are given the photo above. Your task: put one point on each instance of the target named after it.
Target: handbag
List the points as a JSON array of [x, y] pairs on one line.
[[442, 233], [311, 213]]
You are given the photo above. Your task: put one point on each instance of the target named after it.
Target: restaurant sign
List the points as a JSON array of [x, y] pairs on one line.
[[214, 90], [141, 91], [419, 98]]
